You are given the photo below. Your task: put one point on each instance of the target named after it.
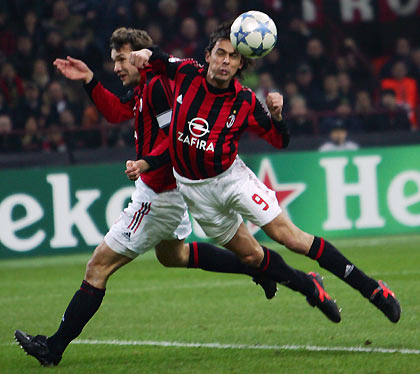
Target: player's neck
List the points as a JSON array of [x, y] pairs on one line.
[[216, 83], [217, 88]]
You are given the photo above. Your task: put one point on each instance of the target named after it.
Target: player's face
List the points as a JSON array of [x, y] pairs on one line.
[[127, 72], [224, 61]]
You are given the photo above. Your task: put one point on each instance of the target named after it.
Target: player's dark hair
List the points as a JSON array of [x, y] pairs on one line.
[[138, 39], [223, 32]]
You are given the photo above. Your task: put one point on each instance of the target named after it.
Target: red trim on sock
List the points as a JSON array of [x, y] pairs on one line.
[[268, 260], [321, 249], [90, 288], [195, 248], [86, 291]]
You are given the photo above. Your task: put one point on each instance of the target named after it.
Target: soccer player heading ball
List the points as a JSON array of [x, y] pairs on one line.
[[211, 110]]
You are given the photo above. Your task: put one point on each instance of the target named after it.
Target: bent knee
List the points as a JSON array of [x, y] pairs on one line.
[[96, 269], [170, 262], [99, 268], [253, 259], [173, 257]]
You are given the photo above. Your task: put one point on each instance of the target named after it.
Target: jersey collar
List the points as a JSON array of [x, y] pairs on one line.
[[234, 88]]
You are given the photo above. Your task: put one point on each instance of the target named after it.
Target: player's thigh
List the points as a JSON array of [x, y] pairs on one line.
[[173, 253], [149, 219], [252, 199], [204, 203], [284, 231]]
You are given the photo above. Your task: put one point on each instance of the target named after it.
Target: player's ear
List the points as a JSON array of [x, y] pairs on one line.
[[207, 56], [241, 65]]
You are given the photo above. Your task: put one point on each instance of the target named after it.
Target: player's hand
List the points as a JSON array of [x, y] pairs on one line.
[[73, 69], [140, 59], [135, 168], [274, 101]]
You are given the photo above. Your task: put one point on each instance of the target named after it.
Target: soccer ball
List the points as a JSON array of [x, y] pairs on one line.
[[253, 34]]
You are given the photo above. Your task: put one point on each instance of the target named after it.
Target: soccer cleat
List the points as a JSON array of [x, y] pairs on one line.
[[36, 346], [269, 286], [384, 299], [322, 300]]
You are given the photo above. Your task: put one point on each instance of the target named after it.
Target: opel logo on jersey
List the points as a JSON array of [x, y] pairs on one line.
[[198, 127], [230, 121]]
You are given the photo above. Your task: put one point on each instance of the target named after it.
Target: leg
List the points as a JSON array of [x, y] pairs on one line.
[[84, 304], [219, 206], [274, 267], [173, 253], [176, 253], [282, 230], [103, 263], [244, 245], [87, 300]]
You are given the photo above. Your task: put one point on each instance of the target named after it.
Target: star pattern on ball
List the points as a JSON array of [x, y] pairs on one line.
[[259, 51], [254, 34], [263, 29], [241, 35], [247, 15]]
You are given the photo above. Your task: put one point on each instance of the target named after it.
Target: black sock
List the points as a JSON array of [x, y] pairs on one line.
[[82, 307], [331, 259], [274, 267], [211, 258]]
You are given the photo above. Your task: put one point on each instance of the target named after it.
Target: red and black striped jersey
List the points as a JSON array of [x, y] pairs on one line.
[[207, 122], [150, 106]]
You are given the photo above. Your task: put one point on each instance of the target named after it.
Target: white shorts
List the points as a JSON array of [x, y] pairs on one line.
[[149, 218], [220, 203]]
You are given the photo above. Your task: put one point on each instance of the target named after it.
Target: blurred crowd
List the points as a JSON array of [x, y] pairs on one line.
[[42, 111]]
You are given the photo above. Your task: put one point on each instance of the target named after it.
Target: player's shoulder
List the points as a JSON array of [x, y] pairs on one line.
[[155, 81], [158, 86], [249, 96], [247, 93], [188, 65]]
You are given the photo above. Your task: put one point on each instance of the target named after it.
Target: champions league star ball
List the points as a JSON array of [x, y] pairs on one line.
[[253, 34]]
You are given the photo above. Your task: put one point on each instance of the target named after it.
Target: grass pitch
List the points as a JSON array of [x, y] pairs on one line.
[[151, 315]]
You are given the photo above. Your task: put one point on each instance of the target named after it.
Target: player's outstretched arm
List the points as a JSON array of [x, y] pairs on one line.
[[74, 69], [108, 104], [135, 168]]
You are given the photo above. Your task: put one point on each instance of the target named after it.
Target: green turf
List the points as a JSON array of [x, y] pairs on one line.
[[146, 302]]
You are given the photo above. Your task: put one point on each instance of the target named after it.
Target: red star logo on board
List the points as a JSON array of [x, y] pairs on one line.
[[285, 192]]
